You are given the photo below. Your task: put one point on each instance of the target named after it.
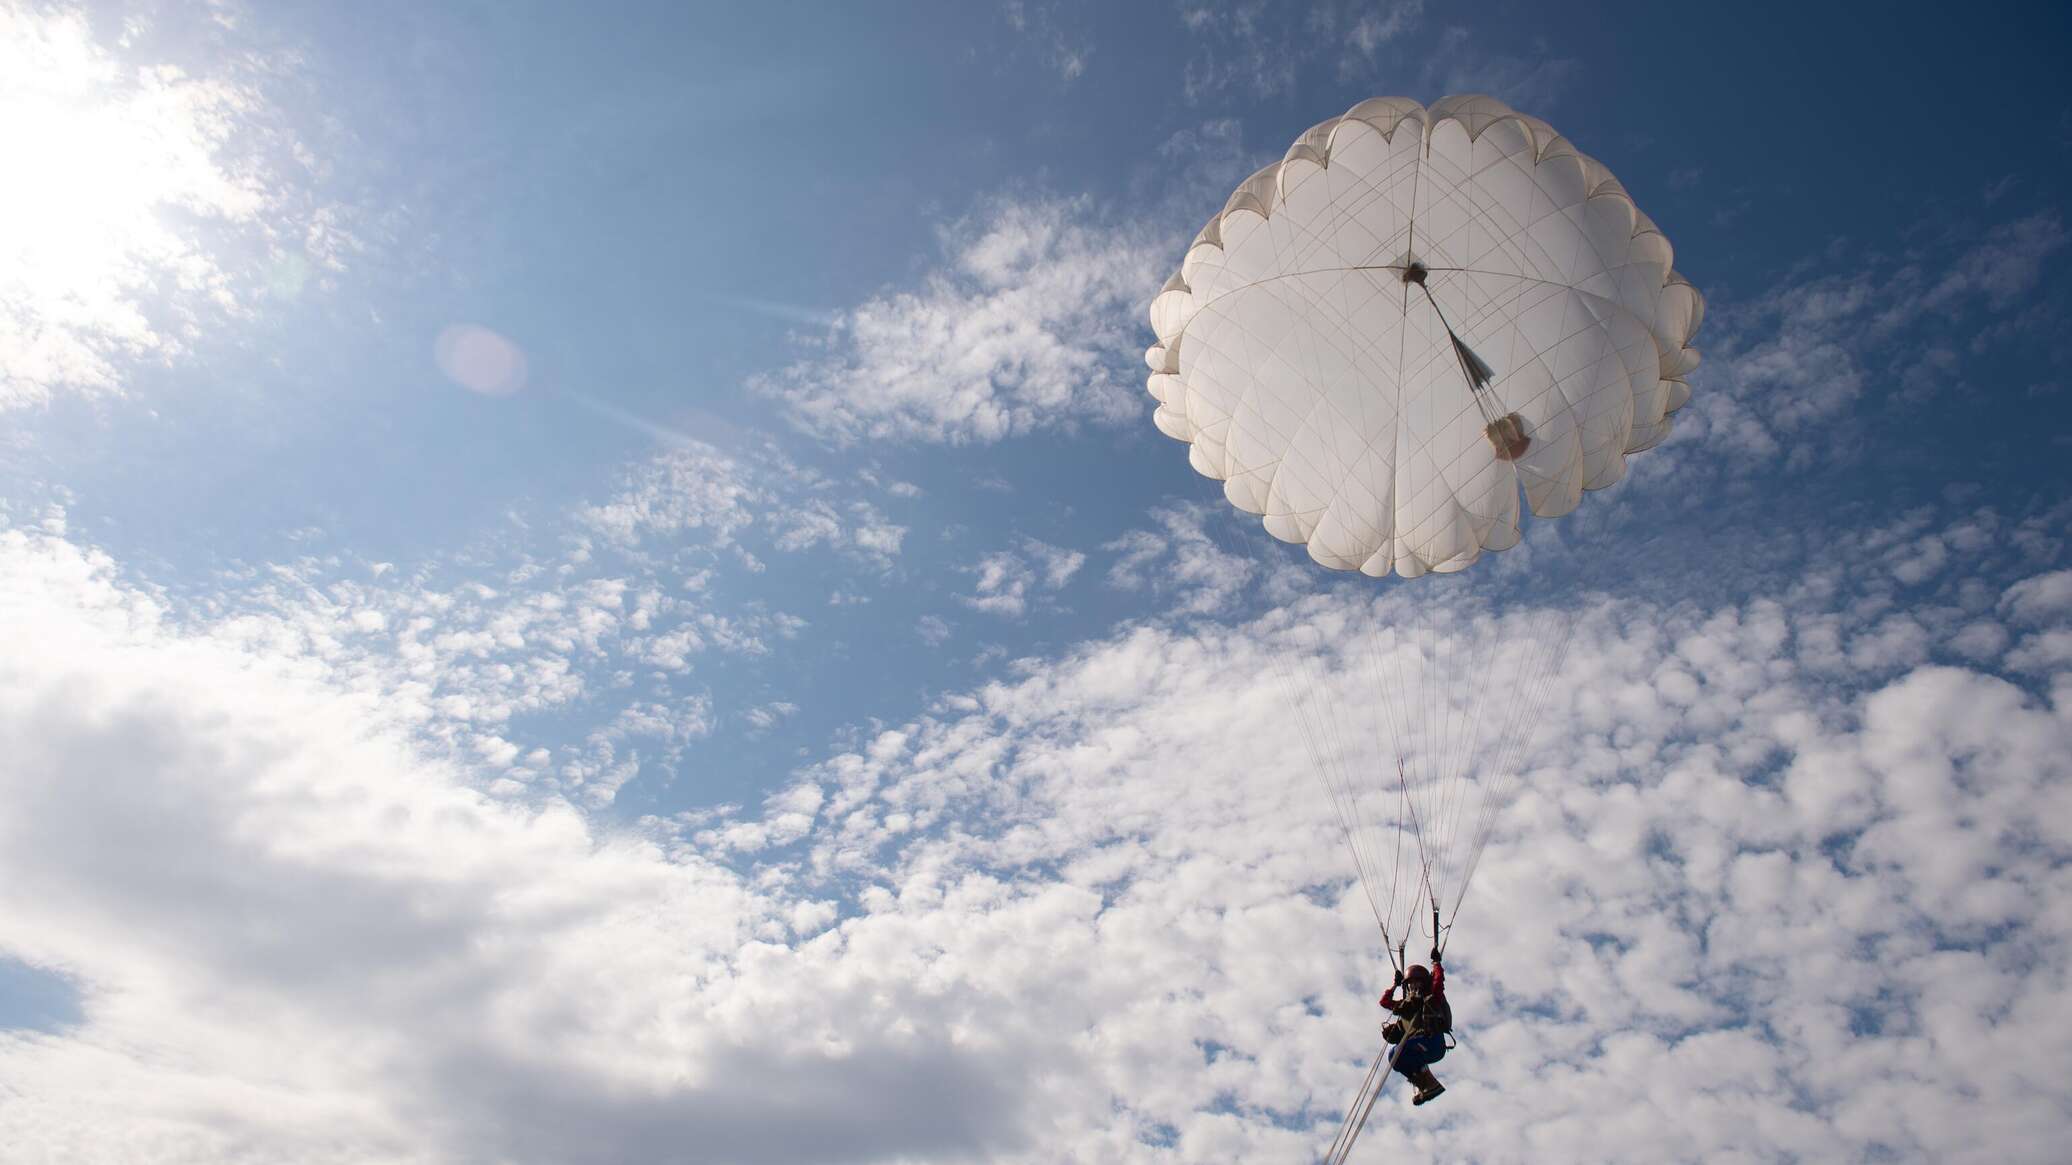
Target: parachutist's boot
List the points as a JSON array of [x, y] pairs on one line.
[[1428, 1086]]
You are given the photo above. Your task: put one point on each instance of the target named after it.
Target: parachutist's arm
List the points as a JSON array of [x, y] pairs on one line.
[[1388, 998], [1438, 976]]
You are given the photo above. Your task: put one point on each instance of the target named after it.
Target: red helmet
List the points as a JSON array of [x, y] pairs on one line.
[[1418, 974]]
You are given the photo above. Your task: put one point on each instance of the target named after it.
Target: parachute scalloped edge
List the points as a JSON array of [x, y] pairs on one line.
[[1265, 192]]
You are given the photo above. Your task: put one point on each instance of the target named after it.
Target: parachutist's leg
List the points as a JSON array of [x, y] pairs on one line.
[[1428, 1086]]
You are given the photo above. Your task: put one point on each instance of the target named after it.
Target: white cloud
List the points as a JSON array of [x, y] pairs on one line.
[[764, 717], [1458, 63], [292, 930], [2002, 267], [674, 723], [1784, 370], [1038, 25], [1058, 564], [1023, 330], [1093, 913], [2045, 652], [1252, 48], [857, 527], [698, 493], [594, 775], [2041, 598], [1002, 587], [893, 488], [933, 630], [1982, 640], [696, 488], [462, 667], [1181, 562], [1006, 577], [1372, 29], [1669, 936]]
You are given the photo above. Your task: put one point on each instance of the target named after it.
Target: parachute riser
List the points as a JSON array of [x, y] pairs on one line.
[[1505, 429]]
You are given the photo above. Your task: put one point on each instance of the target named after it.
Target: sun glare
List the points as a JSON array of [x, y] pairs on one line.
[[113, 170]]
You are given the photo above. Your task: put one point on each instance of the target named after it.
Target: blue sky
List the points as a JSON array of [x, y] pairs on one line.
[[620, 560]]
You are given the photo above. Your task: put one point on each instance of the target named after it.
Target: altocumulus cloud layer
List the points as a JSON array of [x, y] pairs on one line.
[[1093, 913]]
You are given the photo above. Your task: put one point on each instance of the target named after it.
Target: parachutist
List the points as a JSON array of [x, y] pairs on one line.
[[1422, 1020], [1280, 317]]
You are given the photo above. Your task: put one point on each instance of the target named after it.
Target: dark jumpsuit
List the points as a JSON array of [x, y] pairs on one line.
[[1426, 1020]]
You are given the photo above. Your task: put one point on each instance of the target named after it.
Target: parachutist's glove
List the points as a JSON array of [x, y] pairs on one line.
[[1399, 976], [1435, 954]]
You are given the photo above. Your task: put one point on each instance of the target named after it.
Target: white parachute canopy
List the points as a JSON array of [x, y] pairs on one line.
[[1419, 315], [1413, 317]]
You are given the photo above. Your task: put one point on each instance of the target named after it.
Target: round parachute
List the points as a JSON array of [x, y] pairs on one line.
[[1418, 314], [1379, 345]]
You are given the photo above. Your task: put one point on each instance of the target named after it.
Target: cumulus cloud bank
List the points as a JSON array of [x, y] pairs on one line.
[[1100, 907]]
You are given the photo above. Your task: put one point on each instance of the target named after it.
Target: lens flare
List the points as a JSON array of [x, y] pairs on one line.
[[480, 360]]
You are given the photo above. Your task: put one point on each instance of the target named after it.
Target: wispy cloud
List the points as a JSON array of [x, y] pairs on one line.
[[1460, 62], [1184, 559], [764, 717], [934, 630], [1046, 30], [1006, 578], [697, 491], [1020, 331], [1785, 364], [1253, 49]]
